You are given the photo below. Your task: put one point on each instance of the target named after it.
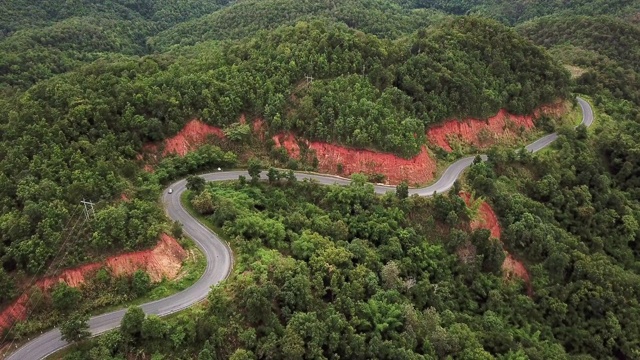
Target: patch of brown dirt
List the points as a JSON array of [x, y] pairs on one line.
[[483, 133], [193, 134], [488, 220], [164, 260], [513, 267], [418, 170], [259, 128]]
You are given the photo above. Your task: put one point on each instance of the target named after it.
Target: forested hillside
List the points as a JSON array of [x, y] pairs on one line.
[[21, 14], [88, 124], [327, 272], [607, 53], [607, 49], [513, 12], [339, 272], [243, 18], [45, 38]]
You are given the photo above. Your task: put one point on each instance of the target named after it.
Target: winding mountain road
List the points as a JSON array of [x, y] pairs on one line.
[[218, 254]]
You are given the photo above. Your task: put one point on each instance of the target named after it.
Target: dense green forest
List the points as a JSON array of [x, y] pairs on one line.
[[331, 272], [339, 272], [76, 135], [607, 50], [243, 18], [513, 12]]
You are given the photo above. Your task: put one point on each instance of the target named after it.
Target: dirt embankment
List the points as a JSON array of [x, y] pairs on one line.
[[340, 160], [163, 261], [484, 133], [488, 220], [193, 134]]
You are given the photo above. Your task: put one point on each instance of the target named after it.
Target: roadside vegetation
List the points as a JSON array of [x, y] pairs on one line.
[[85, 86]]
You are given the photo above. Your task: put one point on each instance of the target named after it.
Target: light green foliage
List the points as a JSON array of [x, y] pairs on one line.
[[329, 272], [402, 190], [237, 132], [381, 283], [154, 328], [116, 226], [77, 135]]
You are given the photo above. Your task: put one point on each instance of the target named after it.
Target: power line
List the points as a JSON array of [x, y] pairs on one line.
[[309, 79], [33, 280], [88, 209]]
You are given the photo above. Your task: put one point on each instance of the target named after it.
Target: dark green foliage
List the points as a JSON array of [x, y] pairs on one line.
[[116, 226], [176, 230], [57, 36], [517, 11], [206, 157], [326, 272], [76, 136], [607, 49], [65, 298], [273, 175], [75, 328], [7, 285], [245, 18], [402, 190], [131, 325], [254, 168], [140, 283], [567, 214], [195, 183]]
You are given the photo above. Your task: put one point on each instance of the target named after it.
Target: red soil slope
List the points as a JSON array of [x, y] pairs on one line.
[[193, 134], [420, 169], [165, 260], [502, 125], [417, 170], [488, 220]]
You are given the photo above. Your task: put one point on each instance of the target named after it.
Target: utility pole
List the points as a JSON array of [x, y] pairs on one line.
[[309, 79], [88, 209]]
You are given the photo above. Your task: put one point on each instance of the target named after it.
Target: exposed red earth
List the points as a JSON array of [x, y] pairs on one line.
[[259, 128], [163, 261], [422, 168], [417, 170], [340, 160], [488, 220], [483, 133], [193, 134]]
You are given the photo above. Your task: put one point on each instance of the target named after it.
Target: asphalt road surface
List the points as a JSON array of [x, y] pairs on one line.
[[218, 254]]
